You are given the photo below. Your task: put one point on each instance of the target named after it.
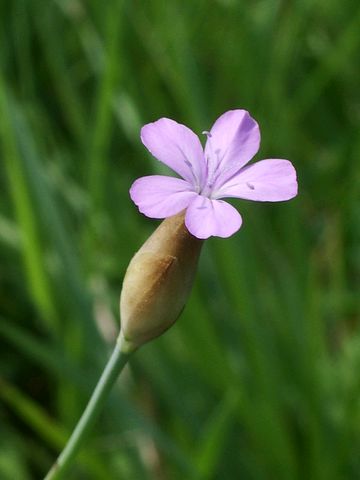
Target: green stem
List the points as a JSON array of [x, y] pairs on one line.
[[116, 363]]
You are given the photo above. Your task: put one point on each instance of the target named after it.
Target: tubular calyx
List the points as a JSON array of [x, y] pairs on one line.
[[158, 282]]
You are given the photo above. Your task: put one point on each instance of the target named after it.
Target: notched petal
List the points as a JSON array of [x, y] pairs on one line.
[[159, 196], [176, 146], [271, 180], [234, 140], [205, 218]]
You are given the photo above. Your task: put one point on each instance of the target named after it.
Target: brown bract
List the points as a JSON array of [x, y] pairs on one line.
[[158, 281]]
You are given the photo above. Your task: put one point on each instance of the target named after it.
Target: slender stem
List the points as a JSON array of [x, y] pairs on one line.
[[116, 363]]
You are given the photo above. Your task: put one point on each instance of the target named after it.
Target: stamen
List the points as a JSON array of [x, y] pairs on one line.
[[213, 160], [191, 166], [250, 185]]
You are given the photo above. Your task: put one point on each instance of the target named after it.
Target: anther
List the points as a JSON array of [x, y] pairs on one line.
[[208, 134], [250, 185], [189, 164]]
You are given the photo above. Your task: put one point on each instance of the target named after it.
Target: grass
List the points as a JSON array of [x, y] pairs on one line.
[[259, 378]]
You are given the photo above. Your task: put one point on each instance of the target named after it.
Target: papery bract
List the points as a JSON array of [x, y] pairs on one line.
[[218, 171]]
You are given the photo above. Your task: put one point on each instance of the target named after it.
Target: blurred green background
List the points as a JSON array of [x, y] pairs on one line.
[[259, 379]]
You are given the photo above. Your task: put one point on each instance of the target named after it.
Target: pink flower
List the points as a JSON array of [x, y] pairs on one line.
[[208, 175]]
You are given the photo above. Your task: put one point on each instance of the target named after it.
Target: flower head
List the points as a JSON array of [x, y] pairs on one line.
[[218, 171]]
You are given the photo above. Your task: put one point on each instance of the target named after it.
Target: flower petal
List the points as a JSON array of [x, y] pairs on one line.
[[158, 196], [271, 180], [205, 217], [178, 147], [234, 139]]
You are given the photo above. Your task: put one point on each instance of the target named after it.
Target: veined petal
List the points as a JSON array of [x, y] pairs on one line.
[[271, 180], [205, 217], [234, 139], [178, 147], [158, 196]]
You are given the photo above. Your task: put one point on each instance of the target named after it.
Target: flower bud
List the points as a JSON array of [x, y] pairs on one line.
[[157, 282]]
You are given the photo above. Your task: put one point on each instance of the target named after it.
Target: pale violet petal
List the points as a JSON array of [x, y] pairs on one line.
[[158, 196], [232, 142], [205, 218], [271, 180], [176, 146]]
